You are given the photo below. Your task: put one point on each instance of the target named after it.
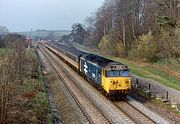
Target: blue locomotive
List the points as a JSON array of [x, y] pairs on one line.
[[110, 76]]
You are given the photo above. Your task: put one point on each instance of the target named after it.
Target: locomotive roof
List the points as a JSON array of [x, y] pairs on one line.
[[100, 61]]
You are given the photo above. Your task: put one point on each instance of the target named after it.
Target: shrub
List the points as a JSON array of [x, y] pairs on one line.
[[105, 45], [147, 47], [110, 45]]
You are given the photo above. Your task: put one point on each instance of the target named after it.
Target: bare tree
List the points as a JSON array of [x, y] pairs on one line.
[[123, 22]]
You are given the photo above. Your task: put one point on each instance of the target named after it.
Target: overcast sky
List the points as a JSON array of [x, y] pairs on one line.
[[24, 15]]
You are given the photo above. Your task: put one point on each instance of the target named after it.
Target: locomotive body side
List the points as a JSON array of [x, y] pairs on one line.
[[91, 70]]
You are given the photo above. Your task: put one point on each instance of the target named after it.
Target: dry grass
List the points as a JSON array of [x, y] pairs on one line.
[[169, 69], [61, 100], [29, 95]]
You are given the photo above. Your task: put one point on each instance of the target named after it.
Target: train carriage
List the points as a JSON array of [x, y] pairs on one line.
[[70, 54], [74, 55], [62, 49]]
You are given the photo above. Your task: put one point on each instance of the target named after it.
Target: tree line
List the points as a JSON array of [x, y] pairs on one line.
[[146, 29]]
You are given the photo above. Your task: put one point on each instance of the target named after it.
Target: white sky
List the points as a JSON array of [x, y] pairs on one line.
[[24, 15]]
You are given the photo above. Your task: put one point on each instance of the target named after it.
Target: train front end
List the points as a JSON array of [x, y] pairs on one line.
[[116, 81]]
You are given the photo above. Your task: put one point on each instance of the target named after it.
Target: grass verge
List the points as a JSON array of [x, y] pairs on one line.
[[155, 72], [36, 108]]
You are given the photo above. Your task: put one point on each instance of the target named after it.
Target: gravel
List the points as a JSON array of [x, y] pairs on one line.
[[108, 108], [159, 90], [64, 104], [112, 111], [56, 115], [157, 118]]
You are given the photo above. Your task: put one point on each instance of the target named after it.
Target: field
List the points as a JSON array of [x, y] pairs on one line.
[[54, 34], [167, 74], [2, 51]]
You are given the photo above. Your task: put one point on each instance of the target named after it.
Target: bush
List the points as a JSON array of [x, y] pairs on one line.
[[104, 45], [109, 45], [120, 49], [147, 47]]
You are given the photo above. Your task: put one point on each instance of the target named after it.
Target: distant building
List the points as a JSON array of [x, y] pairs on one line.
[[3, 30]]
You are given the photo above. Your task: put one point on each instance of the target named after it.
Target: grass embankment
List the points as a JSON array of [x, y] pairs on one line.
[[31, 103], [36, 107], [166, 106], [24, 97], [167, 74]]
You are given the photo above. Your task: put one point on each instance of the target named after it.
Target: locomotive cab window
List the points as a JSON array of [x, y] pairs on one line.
[[117, 73]]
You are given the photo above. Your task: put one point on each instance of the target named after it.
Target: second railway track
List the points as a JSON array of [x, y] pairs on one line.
[[133, 113]]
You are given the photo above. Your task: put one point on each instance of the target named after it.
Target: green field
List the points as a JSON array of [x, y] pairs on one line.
[[3, 51], [55, 34]]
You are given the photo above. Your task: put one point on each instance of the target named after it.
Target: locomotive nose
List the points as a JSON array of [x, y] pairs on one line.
[[127, 81], [116, 84], [119, 84]]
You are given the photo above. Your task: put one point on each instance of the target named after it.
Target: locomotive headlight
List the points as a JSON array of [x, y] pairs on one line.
[[119, 83], [112, 82], [127, 81]]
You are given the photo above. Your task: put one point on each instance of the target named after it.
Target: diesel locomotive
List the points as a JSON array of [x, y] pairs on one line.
[[110, 76]]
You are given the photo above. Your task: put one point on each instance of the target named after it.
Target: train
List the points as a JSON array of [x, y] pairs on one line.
[[112, 77]]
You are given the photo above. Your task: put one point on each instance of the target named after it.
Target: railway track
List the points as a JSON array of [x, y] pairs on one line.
[[133, 113], [90, 109], [91, 113]]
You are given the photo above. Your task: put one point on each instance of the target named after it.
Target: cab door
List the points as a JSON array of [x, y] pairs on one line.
[[103, 78], [105, 81], [99, 76]]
